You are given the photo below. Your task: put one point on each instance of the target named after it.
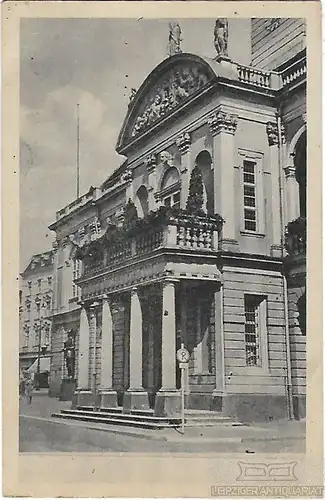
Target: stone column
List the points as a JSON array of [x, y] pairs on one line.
[[219, 389], [151, 164], [108, 397], [291, 194], [67, 274], [183, 143], [273, 139], [55, 247], [83, 392], [92, 347], [223, 127], [135, 397], [168, 399]]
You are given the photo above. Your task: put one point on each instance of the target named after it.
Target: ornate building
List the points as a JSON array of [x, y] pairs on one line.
[[35, 315], [186, 242]]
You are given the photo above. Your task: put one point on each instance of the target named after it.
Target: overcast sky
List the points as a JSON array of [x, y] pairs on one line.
[[93, 62]]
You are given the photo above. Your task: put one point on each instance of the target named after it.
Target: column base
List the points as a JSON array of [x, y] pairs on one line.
[[135, 400], [276, 251], [82, 397], [229, 245], [216, 400], [107, 398], [168, 404], [68, 387]]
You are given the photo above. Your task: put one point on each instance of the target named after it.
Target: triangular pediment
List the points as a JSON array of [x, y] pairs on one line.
[[173, 83]]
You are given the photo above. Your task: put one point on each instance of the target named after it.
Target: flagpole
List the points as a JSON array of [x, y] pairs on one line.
[[78, 166]]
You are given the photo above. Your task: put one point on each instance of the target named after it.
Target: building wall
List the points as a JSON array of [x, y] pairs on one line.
[[36, 282], [267, 384], [271, 45]]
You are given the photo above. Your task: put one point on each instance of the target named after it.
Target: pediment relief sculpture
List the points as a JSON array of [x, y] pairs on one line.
[[180, 83]]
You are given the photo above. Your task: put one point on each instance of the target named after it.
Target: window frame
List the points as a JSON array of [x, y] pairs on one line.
[[261, 333], [246, 156]]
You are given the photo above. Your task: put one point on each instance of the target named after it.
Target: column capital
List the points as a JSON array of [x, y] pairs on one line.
[[273, 135], [290, 172], [151, 162], [170, 281], [223, 122], [127, 175], [183, 142]]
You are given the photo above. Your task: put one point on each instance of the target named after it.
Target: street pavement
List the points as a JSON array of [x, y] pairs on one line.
[[41, 433]]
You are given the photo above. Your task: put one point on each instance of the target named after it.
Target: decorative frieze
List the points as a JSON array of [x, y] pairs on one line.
[[183, 143], [273, 134], [223, 122]]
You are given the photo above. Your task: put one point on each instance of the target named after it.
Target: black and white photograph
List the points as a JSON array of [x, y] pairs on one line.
[[162, 292], [162, 280]]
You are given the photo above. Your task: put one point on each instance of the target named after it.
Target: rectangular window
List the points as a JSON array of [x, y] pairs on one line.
[[76, 275], [250, 207], [255, 330]]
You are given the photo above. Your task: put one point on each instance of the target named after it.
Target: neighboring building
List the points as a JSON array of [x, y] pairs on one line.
[[35, 314], [154, 266]]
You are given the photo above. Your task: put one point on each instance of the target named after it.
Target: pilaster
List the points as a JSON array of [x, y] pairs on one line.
[[183, 142], [151, 165], [273, 140], [219, 389], [223, 128]]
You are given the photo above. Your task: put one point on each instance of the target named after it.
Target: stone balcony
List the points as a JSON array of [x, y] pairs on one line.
[[164, 243]]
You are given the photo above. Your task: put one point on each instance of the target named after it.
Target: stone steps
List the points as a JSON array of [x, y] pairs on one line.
[[115, 418], [143, 418]]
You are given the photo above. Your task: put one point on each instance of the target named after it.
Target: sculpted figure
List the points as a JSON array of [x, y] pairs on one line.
[[221, 36], [174, 43]]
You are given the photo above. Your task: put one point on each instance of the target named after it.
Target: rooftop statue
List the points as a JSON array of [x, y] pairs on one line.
[[221, 36], [174, 43]]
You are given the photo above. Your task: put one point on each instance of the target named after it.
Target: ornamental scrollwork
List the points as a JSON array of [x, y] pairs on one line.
[[222, 122], [178, 85]]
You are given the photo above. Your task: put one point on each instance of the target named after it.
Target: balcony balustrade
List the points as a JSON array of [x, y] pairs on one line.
[[192, 233], [294, 71]]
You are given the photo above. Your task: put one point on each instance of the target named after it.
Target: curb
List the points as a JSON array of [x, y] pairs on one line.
[[169, 439]]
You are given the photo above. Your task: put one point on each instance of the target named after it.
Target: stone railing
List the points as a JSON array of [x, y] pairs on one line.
[[200, 233], [296, 237], [294, 71], [77, 203], [254, 76]]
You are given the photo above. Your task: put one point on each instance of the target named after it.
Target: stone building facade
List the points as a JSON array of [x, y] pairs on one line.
[[141, 268], [35, 313]]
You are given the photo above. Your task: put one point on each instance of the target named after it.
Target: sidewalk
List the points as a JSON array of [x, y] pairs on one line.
[[43, 407]]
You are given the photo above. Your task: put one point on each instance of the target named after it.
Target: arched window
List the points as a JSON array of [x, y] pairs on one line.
[[142, 201], [170, 189], [204, 162]]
